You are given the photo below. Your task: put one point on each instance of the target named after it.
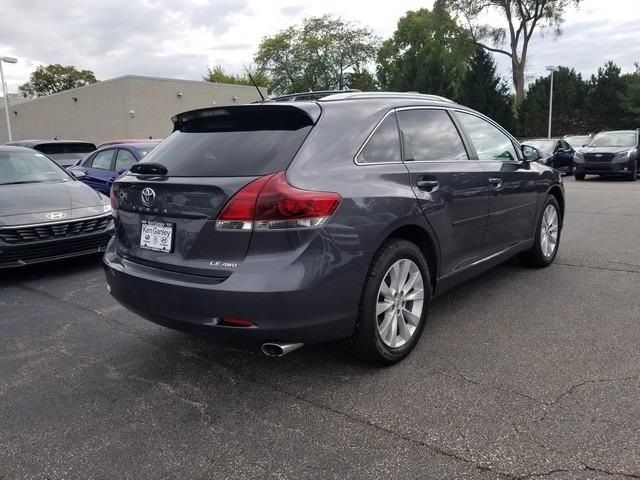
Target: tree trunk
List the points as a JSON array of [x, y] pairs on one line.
[[518, 80]]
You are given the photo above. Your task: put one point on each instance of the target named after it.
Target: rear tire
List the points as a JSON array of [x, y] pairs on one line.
[[393, 310], [544, 250], [579, 176]]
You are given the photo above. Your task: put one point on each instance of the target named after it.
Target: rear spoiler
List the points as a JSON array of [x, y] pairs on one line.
[[269, 115]]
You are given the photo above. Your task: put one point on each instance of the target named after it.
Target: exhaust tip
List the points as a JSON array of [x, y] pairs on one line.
[[274, 349]]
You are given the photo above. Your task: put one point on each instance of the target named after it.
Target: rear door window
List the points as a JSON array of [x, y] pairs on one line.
[[384, 145], [428, 135], [103, 160], [124, 160], [235, 141]]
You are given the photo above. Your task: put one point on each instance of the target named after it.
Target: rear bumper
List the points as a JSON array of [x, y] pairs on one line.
[[30, 253], [304, 309]]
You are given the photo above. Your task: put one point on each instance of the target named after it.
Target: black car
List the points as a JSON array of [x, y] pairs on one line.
[[45, 213], [286, 223], [64, 152], [609, 153], [555, 152]]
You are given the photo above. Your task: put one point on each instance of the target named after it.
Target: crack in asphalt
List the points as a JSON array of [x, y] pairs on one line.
[[201, 406], [593, 267]]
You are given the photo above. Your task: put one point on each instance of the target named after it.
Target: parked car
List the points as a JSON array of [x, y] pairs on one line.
[[129, 140], [64, 152], [296, 222], [46, 213], [102, 167], [577, 141], [609, 153], [556, 153]]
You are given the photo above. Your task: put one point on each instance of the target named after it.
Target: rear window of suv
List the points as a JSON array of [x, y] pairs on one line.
[[61, 147], [235, 141]]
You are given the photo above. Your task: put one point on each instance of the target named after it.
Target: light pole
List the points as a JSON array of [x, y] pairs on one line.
[[4, 91], [551, 69]]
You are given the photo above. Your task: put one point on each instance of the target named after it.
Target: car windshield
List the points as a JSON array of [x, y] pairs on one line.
[[545, 146], [577, 140], [614, 139], [29, 167]]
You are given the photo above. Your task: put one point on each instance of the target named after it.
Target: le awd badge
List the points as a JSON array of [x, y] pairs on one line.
[[219, 264]]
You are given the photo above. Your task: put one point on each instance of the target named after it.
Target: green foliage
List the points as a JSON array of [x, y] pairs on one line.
[[484, 90], [608, 100], [428, 53], [218, 75], [570, 114], [55, 78], [324, 53]]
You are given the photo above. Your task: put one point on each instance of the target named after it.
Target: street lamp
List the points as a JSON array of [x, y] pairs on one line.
[[4, 91], [551, 69]]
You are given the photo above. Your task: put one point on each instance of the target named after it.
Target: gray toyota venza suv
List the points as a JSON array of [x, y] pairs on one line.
[[341, 218]]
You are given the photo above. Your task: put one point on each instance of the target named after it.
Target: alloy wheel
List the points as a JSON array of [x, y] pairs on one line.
[[400, 303], [549, 231]]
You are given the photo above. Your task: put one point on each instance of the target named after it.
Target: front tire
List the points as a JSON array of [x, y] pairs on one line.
[[394, 304], [633, 176], [547, 240]]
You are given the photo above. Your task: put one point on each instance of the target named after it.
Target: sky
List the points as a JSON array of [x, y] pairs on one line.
[[180, 38]]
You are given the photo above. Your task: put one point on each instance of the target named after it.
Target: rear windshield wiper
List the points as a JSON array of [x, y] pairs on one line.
[[149, 168]]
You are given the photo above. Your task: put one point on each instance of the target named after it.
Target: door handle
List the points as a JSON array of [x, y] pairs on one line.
[[496, 183], [428, 185]]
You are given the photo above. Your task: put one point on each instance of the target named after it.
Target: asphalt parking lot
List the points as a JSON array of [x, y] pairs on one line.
[[520, 374]]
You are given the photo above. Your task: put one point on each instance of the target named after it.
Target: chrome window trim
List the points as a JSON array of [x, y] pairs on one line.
[[413, 107]]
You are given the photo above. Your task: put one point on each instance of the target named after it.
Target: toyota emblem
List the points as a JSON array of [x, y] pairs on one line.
[[56, 215], [148, 196]]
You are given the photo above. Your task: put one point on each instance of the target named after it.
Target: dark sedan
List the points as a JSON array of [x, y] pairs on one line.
[[556, 153], [610, 153], [64, 152], [100, 169], [45, 213]]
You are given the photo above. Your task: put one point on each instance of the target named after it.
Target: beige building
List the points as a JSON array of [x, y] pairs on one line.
[[123, 107]]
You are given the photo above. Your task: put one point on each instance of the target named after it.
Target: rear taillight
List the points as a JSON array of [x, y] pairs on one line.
[[112, 197], [270, 203]]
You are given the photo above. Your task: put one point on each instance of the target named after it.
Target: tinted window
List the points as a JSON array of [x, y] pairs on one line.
[[430, 135], [102, 160], [489, 142], [61, 147], [28, 167], [384, 144], [236, 141], [125, 160]]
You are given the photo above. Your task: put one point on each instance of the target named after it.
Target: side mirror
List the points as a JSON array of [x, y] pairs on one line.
[[531, 154], [79, 174]]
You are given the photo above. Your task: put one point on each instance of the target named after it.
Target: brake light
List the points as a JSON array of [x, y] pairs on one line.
[[112, 197], [270, 203]]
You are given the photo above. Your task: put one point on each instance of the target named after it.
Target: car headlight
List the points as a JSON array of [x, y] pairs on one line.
[[578, 156], [625, 155], [106, 208]]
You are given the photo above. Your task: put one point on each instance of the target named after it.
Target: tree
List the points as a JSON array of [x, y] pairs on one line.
[[570, 111], [522, 18], [319, 55], [428, 53], [630, 99], [55, 78], [606, 94], [484, 90], [217, 74]]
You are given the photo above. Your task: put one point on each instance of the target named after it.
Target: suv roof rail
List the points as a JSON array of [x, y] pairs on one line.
[[306, 96], [365, 95]]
